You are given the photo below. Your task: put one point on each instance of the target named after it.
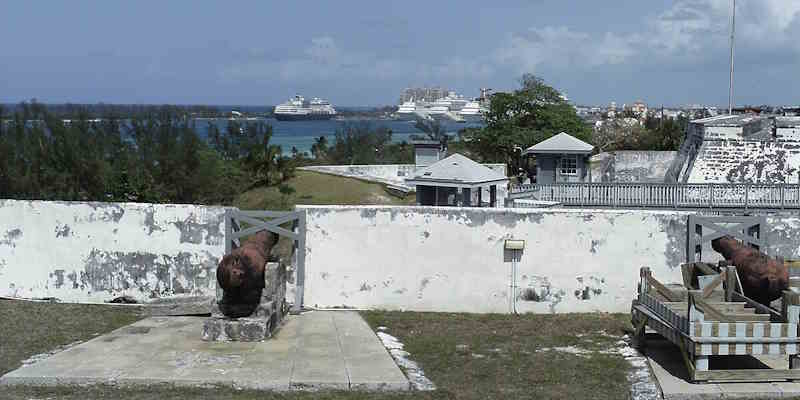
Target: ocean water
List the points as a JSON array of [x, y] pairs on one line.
[[303, 134]]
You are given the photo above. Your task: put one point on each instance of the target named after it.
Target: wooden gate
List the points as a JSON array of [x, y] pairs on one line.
[[749, 229], [240, 223]]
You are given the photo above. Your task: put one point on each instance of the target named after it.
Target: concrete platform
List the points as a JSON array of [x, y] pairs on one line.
[[670, 372], [316, 350]]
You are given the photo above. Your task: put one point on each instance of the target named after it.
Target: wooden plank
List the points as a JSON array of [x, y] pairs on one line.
[[739, 308], [789, 299], [268, 227], [747, 375], [687, 272], [709, 312], [735, 231], [705, 268], [274, 222], [760, 308], [662, 290], [259, 213], [736, 317], [734, 339], [713, 285], [730, 282], [716, 295]]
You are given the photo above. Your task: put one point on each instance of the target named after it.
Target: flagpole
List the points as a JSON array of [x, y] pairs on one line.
[[730, 84]]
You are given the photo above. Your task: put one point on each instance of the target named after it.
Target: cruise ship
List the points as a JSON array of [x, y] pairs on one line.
[[407, 111], [299, 109], [450, 107], [472, 111]]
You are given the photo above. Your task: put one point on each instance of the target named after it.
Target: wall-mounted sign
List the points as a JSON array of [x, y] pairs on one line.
[[514, 244]]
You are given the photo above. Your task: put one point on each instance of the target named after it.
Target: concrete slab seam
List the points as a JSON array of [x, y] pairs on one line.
[[341, 350]]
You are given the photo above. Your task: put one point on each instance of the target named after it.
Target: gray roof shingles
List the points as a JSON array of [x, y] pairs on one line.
[[456, 169], [561, 144]]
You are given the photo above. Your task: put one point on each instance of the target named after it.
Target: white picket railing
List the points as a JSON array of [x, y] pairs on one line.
[[663, 195]]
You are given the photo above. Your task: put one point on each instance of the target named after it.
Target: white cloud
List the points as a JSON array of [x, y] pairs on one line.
[[687, 30], [562, 47], [324, 59]]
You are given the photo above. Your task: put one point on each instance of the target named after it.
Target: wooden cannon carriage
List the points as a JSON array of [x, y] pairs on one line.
[[710, 316]]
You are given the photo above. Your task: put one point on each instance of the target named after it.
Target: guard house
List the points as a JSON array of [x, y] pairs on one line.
[[457, 181], [562, 158]]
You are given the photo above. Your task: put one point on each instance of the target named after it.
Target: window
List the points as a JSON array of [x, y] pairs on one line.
[[569, 165]]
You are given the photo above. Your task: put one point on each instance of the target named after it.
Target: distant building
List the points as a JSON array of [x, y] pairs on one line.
[[458, 181], [561, 158], [611, 112], [429, 94], [639, 109]]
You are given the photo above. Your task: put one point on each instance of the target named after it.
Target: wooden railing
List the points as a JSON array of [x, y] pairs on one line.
[[664, 195]]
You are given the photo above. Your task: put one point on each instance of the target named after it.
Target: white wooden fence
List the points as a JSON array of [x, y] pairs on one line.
[[664, 195]]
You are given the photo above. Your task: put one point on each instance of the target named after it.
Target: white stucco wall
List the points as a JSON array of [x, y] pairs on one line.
[[452, 259], [97, 251]]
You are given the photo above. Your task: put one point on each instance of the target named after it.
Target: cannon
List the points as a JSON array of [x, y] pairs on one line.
[[240, 274], [763, 278]]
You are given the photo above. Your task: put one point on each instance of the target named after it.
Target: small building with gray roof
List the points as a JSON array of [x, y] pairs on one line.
[[561, 158], [459, 181]]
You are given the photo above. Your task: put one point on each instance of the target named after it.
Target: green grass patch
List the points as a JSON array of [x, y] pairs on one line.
[[478, 356], [315, 188], [31, 328]]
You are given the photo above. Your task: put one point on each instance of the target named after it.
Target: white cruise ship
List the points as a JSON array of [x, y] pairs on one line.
[[407, 111], [472, 111], [298, 109], [452, 107]]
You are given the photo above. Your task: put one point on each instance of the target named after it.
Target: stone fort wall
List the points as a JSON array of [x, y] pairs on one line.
[[399, 258], [94, 252]]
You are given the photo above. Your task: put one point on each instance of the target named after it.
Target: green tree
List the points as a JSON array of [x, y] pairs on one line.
[[522, 118], [359, 143], [319, 150], [285, 191]]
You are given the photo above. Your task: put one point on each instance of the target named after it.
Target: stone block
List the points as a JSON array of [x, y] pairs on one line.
[[262, 322], [223, 329]]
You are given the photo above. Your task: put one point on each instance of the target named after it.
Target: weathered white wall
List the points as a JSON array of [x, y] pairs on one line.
[[753, 161], [631, 166], [394, 174], [452, 259], [79, 252], [723, 132], [411, 258]]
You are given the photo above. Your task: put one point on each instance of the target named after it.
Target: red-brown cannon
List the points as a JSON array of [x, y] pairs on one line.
[[763, 278], [241, 275]]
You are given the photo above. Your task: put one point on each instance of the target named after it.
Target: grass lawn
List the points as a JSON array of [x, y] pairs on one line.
[[319, 189], [30, 328], [466, 356]]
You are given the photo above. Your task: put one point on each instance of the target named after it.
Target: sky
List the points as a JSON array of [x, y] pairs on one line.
[[364, 53]]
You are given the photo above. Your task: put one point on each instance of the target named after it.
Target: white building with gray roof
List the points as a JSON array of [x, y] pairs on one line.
[[459, 181], [561, 158]]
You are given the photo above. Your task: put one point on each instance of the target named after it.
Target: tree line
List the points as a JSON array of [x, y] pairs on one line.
[[156, 156]]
